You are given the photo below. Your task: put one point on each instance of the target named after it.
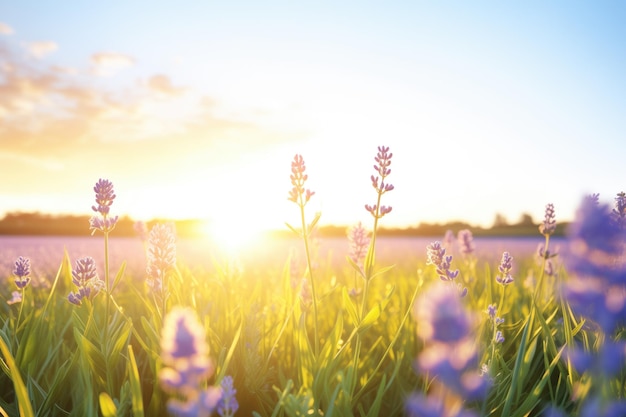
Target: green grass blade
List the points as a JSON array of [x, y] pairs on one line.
[[135, 384], [23, 401]]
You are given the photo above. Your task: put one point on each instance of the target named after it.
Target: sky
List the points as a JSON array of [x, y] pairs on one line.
[[195, 109]]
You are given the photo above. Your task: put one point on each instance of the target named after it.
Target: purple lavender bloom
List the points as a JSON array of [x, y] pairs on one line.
[[450, 352], [227, 405], [592, 298], [466, 242], [85, 278], [104, 196], [22, 272], [298, 193], [549, 223], [383, 161], [104, 199], [187, 365], [506, 264], [441, 316], [596, 245], [419, 405], [436, 255], [498, 337]]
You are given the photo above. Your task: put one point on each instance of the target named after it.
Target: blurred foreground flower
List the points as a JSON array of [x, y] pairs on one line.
[[187, 365], [450, 354]]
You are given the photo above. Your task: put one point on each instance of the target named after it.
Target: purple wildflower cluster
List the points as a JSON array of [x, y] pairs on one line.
[[298, 194], [492, 312], [383, 160], [104, 199], [187, 365], [466, 242], [436, 255], [227, 406], [85, 278], [450, 354], [22, 272], [549, 222], [597, 291], [505, 267]]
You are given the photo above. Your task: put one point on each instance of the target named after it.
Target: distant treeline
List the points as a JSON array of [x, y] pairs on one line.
[[69, 225]]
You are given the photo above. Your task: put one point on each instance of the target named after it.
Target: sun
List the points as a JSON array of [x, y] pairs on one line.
[[232, 236]]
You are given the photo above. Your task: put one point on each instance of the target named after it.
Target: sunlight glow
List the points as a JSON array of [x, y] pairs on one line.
[[232, 236]]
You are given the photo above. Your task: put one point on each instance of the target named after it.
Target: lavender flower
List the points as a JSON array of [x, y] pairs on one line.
[[22, 272], [450, 352], [383, 160], [549, 223], [506, 264], [298, 193], [161, 255], [104, 199], [436, 255], [85, 278], [187, 365], [596, 245], [466, 242], [441, 316], [141, 229], [227, 405], [448, 240], [359, 243]]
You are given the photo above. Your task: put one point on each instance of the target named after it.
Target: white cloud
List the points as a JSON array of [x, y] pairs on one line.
[[109, 63], [6, 29], [42, 48]]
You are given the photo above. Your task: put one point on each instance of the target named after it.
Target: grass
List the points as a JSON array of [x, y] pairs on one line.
[[335, 348]]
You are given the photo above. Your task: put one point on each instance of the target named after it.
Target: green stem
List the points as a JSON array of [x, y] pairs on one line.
[[305, 237]]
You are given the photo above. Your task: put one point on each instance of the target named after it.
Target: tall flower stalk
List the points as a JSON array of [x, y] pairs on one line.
[[383, 161], [21, 271], [301, 196], [105, 223], [161, 260]]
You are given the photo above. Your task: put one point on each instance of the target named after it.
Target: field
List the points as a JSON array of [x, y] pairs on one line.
[[367, 326]]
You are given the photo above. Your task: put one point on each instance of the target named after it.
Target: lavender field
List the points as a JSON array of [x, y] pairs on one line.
[[449, 326]]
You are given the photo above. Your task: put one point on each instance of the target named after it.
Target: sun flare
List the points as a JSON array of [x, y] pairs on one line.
[[231, 236]]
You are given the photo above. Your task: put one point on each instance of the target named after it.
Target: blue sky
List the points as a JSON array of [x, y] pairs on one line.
[[195, 109]]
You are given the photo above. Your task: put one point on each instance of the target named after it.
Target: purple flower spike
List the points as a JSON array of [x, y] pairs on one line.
[[85, 278], [383, 160], [505, 277], [22, 272], [298, 193], [436, 254], [227, 405], [187, 364], [441, 316], [104, 196], [619, 212], [549, 223], [466, 242]]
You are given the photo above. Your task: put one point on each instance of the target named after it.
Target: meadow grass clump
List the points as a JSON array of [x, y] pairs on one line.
[[448, 332]]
